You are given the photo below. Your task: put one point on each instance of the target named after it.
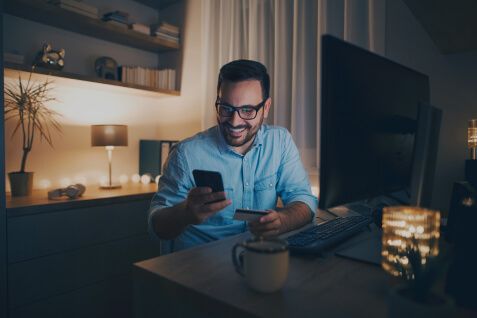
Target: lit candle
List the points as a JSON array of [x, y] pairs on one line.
[[406, 228]]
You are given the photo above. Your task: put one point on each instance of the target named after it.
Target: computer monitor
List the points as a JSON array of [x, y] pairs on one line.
[[369, 124]]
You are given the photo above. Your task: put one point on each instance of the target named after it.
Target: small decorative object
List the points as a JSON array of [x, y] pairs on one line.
[[471, 164], [109, 136], [106, 68], [49, 58], [27, 104], [402, 226], [410, 251]]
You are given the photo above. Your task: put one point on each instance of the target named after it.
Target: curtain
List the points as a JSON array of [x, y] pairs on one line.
[[285, 36]]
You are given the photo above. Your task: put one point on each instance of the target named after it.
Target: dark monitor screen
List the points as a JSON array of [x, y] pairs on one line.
[[369, 115]]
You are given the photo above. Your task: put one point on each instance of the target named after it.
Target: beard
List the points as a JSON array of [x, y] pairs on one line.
[[237, 140]]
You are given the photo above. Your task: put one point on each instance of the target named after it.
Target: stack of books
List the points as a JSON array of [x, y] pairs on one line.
[[118, 18], [166, 32], [77, 7], [12, 57], [141, 28], [150, 77]]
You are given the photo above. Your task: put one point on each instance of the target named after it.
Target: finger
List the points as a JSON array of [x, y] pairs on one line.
[[200, 190], [209, 198], [270, 217], [216, 206]]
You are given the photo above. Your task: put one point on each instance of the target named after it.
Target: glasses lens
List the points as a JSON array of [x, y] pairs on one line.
[[247, 112], [225, 111]]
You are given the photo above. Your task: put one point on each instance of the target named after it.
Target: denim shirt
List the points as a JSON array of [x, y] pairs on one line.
[[271, 168]]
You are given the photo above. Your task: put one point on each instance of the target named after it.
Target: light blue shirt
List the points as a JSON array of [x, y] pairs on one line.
[[271, 168]]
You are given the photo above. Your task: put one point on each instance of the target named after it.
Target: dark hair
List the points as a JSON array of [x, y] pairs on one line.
[[242, 70]]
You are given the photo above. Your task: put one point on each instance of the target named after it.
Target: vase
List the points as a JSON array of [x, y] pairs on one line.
[[400, 304], [21, 183]]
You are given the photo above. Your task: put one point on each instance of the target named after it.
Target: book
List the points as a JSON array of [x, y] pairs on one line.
[[79, 11], [117, 24], [77, 5], [139, 27], [13, 58]]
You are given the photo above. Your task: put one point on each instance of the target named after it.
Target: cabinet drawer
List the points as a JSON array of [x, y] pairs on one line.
[[49, 276], [42, 234], [110, 298]]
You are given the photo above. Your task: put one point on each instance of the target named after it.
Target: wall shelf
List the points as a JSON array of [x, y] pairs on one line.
[[53, 15], [44, 71]]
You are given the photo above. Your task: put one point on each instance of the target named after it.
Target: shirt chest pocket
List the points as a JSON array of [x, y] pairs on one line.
[[267, 183], [265, 195]]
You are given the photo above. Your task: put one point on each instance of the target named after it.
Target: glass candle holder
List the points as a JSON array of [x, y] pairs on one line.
[[405, 230], [472, 138]]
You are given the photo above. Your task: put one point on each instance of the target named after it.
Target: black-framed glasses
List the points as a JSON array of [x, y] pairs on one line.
[[247, 112]]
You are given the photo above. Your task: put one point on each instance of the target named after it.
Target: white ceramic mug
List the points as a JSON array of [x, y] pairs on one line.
[[262, 262]]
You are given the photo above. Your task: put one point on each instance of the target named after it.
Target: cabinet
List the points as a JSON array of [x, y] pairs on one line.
[[74, 258], [49, 14]]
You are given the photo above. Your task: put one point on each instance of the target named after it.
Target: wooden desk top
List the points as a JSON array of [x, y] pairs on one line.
[[38, 202], [202, 282]]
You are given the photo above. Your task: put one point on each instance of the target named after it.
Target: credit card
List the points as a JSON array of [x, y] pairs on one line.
[[249, 215]]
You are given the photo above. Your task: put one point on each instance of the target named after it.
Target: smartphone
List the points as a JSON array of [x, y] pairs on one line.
[[249, 215], [211, 179]]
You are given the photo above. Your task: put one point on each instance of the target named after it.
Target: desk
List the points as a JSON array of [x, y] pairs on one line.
[[202, 282]]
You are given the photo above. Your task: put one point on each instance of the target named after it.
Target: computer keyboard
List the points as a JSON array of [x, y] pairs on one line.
[[321, 236]]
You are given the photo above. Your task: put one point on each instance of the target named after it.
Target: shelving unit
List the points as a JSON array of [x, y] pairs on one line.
[[53, 15], [24, 68], [50, 14]]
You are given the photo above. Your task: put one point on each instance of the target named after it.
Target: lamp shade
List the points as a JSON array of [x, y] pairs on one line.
[[109, 135], [472, 134]]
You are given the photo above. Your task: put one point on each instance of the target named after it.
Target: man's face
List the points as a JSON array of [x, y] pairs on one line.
[[239, 132]]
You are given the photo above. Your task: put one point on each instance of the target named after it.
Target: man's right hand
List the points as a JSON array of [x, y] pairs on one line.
[[199, 204]]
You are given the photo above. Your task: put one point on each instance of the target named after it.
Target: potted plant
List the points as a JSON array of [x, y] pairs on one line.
[[26, 103], [416, 297]]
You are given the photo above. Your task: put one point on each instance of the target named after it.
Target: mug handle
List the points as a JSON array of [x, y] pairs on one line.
[[238, 259]]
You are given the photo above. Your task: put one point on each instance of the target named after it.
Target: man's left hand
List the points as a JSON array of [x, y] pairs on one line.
[[268, 225]]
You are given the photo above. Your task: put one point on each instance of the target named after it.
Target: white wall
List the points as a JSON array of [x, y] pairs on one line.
[[453, 82], [148, 115]]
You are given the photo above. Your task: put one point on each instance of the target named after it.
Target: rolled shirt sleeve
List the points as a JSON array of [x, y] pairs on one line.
[[293, 183]]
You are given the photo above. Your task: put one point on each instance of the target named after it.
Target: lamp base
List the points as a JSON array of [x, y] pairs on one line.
[[109, 187], [471, 172]]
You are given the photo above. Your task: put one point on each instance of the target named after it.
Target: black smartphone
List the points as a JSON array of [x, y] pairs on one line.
[[211, 179]]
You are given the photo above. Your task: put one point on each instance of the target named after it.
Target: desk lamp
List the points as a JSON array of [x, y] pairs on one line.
[[408, 228], [109, 136], [471, 164]]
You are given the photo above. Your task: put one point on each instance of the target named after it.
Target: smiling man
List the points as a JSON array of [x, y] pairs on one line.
[[258, 163]]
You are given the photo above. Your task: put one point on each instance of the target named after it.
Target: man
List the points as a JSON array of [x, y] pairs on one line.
[[258, 164]]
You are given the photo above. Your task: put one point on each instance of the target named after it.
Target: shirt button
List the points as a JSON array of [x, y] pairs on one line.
[[246, 183], [270, 185], [244, 159], [247, 208]]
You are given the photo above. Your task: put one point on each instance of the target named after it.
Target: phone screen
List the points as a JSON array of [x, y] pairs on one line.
[[211, 179]]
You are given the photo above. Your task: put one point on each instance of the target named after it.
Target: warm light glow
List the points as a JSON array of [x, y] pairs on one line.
[[145, 179], [135, 178], [157, 179], [64, 182], [103, 180], [403, 227], [45, 184], [472, 134], [472, 138], [123, 178]]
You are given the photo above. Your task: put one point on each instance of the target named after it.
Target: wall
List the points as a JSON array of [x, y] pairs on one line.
[[453, 84], [148, 115]]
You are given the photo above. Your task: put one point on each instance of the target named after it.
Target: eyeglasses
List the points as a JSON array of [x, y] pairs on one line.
[[246, 112]]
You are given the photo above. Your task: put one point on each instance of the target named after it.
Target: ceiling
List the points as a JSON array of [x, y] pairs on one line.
[[451, 24]]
